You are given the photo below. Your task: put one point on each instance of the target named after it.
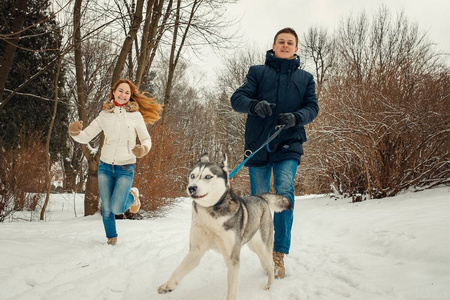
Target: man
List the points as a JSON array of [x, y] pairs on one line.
[[277, 93]]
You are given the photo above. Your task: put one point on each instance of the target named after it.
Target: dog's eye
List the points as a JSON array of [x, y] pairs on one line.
[[192, 176], [208, 177]]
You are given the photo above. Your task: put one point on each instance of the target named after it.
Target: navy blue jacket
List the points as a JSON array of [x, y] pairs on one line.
[[279, 81]]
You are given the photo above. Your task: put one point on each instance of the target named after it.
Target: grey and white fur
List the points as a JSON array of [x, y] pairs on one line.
[[224, 222]]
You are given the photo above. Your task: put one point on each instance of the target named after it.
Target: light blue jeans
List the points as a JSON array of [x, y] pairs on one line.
[[114, 184], [283, 176]]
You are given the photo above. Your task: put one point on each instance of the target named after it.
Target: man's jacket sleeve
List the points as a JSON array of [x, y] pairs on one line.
[[243, 98], [310, 108]]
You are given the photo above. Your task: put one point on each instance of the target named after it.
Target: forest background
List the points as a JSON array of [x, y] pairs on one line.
[[383, 88]]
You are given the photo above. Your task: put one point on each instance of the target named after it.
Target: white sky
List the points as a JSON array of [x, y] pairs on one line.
[[261, 19]]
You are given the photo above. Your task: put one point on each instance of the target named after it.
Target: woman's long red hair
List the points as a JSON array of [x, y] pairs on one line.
[[148, 106]]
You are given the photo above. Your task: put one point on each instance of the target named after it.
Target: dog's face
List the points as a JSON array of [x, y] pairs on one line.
[[208, 181]]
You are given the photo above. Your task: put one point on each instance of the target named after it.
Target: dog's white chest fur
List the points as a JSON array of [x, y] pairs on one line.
[[211, 230]]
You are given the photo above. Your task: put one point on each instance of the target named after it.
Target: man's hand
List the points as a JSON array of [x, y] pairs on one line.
[[287, 119], [263, 108]]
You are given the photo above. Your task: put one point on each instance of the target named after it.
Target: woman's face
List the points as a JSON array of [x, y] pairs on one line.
[[122, 94], [285, 46]]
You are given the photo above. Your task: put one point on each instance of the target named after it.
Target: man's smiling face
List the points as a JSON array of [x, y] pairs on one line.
[[285, 46]]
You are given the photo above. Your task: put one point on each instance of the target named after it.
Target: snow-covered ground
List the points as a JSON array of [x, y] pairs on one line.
[[394, 248]]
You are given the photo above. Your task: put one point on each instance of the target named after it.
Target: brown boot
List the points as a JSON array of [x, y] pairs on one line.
[[112, 241], [279, 270]]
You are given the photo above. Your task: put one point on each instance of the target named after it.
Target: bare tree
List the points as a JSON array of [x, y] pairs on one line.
[[149, 39], [384, 123], [195, 21], [128, 42], [48, 161], [318, 45], [91, 200]]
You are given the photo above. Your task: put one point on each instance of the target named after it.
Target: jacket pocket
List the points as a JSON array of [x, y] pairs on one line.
[[301, 133], [254, 132], [292, 147]]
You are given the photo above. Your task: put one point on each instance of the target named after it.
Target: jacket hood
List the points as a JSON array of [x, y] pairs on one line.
[[131, 106], [280, 64]]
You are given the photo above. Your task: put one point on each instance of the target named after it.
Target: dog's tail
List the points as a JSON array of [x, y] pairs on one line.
[[277, 203]]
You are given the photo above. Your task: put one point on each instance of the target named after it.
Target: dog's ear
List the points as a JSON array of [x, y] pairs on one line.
[[204, 158], [224, 163]]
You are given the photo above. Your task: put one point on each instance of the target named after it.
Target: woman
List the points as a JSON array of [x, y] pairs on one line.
[[277, 93], [123, 117]]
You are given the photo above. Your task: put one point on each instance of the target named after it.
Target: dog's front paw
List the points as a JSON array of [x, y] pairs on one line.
[[167, 287]]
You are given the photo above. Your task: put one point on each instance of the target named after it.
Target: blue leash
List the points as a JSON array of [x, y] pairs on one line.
[[278, 129]]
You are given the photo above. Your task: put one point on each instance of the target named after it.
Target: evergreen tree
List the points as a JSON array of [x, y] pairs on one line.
[[30, 111]]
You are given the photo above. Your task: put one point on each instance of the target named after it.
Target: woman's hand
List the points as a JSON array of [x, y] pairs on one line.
[[139, 151], [75, 128]]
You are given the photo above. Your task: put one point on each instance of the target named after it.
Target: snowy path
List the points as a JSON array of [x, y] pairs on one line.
[[395, 248]]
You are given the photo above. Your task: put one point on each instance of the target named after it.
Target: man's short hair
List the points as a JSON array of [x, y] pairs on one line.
[[287, 30]]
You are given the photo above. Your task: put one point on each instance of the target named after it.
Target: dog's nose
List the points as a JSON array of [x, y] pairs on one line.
[[192, 189]]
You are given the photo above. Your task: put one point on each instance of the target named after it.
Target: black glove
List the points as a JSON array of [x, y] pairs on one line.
[[263, 108], [287, 119]]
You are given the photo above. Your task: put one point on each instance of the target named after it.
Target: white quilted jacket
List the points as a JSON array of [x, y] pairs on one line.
[[120, 125]]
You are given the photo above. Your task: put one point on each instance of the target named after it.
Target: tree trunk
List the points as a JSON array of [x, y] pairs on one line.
[[148, 37], [172, 63], [128, 43], [175, 53], [91, 191], [91, 196], [73, 170], [70, 176], [81, 89], [158, 34], [47, 143], [11, 44]]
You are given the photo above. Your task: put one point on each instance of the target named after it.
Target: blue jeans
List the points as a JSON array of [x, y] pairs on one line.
[[283, 176], [114, 184]]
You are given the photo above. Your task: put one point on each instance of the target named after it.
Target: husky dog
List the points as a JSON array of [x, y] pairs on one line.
[[224, 222]]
